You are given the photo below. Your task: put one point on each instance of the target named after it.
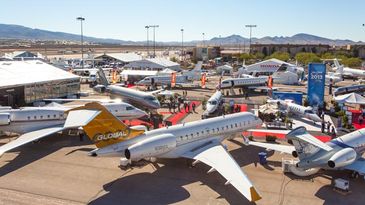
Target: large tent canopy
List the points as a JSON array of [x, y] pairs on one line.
[[351, 98]]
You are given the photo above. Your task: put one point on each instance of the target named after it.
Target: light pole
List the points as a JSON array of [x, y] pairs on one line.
[[182, 44], [148, 41], [81, 19], [250, 26], [154, 39], [203, 39]]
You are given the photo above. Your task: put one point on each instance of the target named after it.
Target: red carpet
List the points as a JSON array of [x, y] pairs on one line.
[[176, 118], [243, 107], [355, 119]]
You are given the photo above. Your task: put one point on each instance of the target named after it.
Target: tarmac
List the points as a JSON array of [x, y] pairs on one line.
[[58, 170]]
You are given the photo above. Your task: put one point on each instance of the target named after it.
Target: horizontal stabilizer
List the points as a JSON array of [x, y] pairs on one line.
[[29, 137], [302, 134], [79, 118], [276, 147]]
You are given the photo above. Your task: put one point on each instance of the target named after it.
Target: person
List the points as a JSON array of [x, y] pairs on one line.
[[173, 105], [322, 127], [189, 106], [178, 105], [193, 106], [81, 135], [360, 119], [185, 106], [333, 132], [169, 104], [329, 127]]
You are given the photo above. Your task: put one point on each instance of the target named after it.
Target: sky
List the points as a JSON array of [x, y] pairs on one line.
[[126, 19]]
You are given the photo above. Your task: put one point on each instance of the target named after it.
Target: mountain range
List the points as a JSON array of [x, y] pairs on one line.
[[25, 33]]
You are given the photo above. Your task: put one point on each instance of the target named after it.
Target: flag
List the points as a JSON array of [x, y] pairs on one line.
[[173, 79], [204, 78]]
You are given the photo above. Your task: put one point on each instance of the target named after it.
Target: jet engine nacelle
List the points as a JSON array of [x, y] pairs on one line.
[[99, 88], [151, 147], [139, 127], [342, 158], [4, 118]]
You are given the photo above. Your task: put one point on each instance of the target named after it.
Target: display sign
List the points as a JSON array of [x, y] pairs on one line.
[[316, 82], [173, 79], [204, 79]]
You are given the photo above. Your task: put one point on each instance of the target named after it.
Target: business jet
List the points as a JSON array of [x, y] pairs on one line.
[[213, 103], [89, 74], [344, 152], [290, 106], [200, 140], [138, 98], [182, 79], [244, 82], [28, 119], [346, 71]]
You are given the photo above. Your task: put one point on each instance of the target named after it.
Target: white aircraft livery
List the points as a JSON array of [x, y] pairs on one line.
[[181, 79], [344, 152], [28, 119], [135, 97], [294, 108], [200, 140]]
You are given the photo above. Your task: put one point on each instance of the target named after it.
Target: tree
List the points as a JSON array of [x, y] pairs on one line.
[[352, 62], [173, 59], [264, 51], [284, 56], [306, 58]]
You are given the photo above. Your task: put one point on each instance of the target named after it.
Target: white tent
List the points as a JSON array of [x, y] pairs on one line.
[[352, 98]]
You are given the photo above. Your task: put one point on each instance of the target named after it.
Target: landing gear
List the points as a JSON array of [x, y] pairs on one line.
[[354, 175]]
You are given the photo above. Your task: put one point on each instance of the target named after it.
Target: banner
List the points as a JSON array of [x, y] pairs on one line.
[[316, 81], [204, 78], [114, 76], [173, 79]]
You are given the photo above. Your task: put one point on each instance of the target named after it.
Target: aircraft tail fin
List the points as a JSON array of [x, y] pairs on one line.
[[338, 66], [103, 78], [198, 66], [105, 129], [305, 144]]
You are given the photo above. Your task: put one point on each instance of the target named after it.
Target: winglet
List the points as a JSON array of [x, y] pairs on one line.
[[254, 195]]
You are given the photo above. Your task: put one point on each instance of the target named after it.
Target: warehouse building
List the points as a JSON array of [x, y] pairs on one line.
[[26, 82], [157, 64], [119, 58]]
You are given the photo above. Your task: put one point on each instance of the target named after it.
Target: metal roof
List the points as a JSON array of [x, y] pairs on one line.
[[124, 57], [14, 73]]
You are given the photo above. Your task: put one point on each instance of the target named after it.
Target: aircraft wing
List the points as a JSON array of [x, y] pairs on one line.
[[84, 100], [358, 165], [214, 155], [75, 118], [155, 91], [28, 137]]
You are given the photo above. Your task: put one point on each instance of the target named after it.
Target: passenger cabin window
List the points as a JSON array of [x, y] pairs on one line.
[[28, 117], [129, 108]]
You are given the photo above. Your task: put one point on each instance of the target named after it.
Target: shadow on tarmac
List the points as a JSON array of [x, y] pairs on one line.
[[166, 184], [32, 152]]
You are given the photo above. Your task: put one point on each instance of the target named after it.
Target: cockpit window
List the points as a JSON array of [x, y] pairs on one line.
[[129, 108], [213, 102], [225, 82], [309, 111], [149, 98]]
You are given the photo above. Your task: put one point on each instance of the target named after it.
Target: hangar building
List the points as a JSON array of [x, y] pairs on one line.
[[27, 82]]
